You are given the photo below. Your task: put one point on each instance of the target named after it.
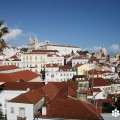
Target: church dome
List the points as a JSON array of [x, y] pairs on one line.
[[103, 50]]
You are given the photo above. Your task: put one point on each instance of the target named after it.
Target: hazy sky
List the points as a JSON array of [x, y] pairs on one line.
[[85, 23]]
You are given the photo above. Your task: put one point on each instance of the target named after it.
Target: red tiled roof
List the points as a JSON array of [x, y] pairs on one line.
[[95, 72], [101, 101], [72, 92], [89, 92], [99, 82], [21, 85], [25, 75], [31, 97], [51, 91], [14, 56], [78, 65], [44, 50], [72, 109], [65, 67], [52, 55], [16, 60], [79, 57], [96, 90], [51, 65], [55, 90], [8, 67]]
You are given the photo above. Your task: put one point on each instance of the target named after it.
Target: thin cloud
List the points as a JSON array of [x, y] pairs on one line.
[[13, 34], [112, 49], [93, 49]]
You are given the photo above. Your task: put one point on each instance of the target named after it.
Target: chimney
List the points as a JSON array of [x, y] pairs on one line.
[[44, 110], [46, 82], [28, 89]]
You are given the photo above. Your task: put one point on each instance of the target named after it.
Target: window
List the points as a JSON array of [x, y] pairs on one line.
[[52, 75], [5, 102], [36, 58], [30, 58], [12, 109], [36, 71], [22, 112], [23, 58]]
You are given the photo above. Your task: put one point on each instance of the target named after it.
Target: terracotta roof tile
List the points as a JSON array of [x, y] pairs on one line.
[[95, 72], [51, 65], [96, 90], [65, 67], [78, 65], [14, 57], [31, 97], [72, 109], [79, 57], [8, 67], [101, 101], [21, 85], [25, 75], [99, 82], [88, 92]]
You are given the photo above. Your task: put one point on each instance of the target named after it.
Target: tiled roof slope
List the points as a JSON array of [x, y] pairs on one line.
[[25, 75], [54, 90], [72, 109], [78, 65], [100, 102], [8, 67], [51, 65], [31, 97], [21, 85], [50, 91], [65, 67], [99, 82], [60, 106]]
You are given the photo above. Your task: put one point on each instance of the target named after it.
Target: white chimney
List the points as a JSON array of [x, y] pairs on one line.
[[46, 82], [28, 89], [44, 110]]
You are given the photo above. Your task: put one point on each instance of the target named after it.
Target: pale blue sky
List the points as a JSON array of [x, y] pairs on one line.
[[83, 23]]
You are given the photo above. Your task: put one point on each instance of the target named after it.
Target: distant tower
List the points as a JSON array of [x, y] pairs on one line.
[[35, 40], [103, 51], [30, 41]]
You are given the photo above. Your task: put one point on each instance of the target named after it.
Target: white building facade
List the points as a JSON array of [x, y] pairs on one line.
[[34, 61], [34, 44], [79, 60], [55, 74]]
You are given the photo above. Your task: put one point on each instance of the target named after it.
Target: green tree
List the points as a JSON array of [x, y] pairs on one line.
[[3, 31], [82, 52], [24, 49]]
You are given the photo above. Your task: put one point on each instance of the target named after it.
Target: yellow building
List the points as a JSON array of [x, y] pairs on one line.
[[81, 69]]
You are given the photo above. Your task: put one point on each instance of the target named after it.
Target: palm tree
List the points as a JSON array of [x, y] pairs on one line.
[[3, 31]]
